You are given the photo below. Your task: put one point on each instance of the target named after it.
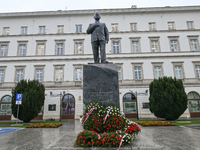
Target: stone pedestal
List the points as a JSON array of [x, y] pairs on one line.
[[100, 84]]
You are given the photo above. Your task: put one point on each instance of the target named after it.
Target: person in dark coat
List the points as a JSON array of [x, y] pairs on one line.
[[99, 38]]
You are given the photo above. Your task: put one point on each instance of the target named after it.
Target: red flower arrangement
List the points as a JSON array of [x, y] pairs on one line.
[[106, 120]]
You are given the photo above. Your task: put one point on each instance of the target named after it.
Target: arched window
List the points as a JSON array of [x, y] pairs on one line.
[[5, 105], [68, 104], [130, 105], [193, 102]]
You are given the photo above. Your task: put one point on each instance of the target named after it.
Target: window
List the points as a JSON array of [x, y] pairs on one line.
[[178, 72], [1, 76], [42, 30], [154, 44], [19, 73], [193, 102], [59, 72], [52, 107], [6, 30], [133, 26], [116, 45], [190, 25], [59, 50], [78, 74], [114, 27], [197, 69], [194, 42], [22, 50], [41, 47], [135, 44], [152, 26], [24, 30], [4, 50], [22, 46], [145, 105], [60, 28], [174, 43], [2, 73], [39, 72], [59, 47], [194, 45], [5, 105], [78, 28], [78, 46], [171, 25], [157, 70], [137, 72]]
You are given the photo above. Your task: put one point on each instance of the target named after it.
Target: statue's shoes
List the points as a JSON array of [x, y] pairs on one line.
[[105, 62]]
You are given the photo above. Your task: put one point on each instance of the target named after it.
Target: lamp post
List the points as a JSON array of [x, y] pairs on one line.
[[136, 94]]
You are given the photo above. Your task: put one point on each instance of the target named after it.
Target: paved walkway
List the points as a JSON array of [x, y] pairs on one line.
[[150, 138]]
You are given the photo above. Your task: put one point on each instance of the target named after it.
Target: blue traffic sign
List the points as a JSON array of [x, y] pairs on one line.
[[19, 99]]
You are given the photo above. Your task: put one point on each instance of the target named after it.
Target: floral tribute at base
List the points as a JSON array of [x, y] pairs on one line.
[[156, 123], [105, 127], [46, 125]]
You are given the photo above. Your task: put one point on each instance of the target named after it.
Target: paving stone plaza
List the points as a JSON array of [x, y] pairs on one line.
[[150, 138]]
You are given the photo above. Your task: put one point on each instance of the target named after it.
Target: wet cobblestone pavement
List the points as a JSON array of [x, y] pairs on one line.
[[150, 138]]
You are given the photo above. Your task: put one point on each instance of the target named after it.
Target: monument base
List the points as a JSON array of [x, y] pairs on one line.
[[100, 84]]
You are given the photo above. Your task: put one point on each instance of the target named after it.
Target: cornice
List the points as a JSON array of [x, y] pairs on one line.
[[111, 33], [89, 57], [101, 11]]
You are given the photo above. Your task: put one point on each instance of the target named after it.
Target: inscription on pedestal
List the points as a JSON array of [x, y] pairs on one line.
[[100, 84]]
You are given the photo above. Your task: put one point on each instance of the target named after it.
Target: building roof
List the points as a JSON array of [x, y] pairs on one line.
[[101, 11]]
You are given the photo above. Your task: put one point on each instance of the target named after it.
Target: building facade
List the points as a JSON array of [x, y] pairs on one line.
[[146, 43]]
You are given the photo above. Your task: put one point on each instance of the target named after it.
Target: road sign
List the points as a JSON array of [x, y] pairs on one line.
[[19, 99]]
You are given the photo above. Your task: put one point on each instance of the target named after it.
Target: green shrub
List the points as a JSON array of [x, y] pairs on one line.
[[167, 98], [33, 96]]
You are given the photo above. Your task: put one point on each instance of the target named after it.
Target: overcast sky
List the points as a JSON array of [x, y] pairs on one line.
[[49, 5]]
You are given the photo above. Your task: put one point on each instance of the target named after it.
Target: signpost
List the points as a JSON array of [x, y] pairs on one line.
[[18, 102]]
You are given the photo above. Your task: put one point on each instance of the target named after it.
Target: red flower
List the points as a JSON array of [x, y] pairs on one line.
[[108, 116], [81, 137], [113, 118], [105, 143], [100, 119], [97, 142], [97, 116], [93, 115], [88, 142], [92, 142], [103, 140], [86, 145], [114, 125], [112, 135], [113, 143], [108, 139], [112, 115], [111, 139], [112, 122], [115, 115], [78, 141], [119, 139], [83, 141], [118, 142], [83, 132], [116, 137]]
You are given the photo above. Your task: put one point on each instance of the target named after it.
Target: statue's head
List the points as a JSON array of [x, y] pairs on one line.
[[97, 16]]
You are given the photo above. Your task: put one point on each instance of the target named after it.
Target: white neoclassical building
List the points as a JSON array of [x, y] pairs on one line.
[[146, 43]]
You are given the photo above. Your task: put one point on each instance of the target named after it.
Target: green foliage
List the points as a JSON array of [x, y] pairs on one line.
[[167, 98], [33, 96]]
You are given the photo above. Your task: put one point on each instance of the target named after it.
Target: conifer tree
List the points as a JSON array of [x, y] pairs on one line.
[[167, 98], [33, 96]]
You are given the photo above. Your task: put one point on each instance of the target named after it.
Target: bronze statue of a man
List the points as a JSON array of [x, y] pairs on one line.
[[99, 38]]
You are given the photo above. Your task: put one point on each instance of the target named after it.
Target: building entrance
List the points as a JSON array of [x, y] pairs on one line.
[[68, 107]]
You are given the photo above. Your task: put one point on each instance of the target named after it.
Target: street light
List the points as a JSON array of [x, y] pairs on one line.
[[136, 94]]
